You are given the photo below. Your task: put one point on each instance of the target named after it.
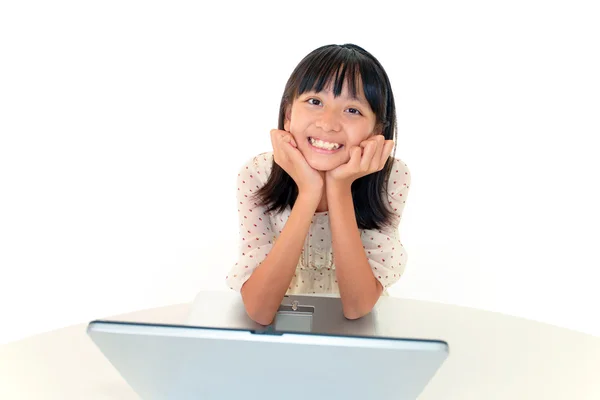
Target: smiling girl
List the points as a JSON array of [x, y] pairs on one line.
[[320, 213]]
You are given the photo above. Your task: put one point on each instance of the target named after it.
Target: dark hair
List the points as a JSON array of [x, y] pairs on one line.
[[314, 72]]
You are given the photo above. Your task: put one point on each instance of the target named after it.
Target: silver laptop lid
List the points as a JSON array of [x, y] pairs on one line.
[[183, 362]]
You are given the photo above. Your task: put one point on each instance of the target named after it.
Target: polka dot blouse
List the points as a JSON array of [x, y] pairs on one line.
[[315, 272]]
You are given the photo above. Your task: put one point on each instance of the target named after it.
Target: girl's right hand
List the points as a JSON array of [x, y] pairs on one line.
[[288, 157]]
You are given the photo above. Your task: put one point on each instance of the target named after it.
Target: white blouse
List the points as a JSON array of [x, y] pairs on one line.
[[315, 272]]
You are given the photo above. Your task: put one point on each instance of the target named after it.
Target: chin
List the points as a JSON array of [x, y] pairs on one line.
[[324, 165]]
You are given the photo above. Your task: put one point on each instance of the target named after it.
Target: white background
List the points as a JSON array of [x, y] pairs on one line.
[[123, 125]]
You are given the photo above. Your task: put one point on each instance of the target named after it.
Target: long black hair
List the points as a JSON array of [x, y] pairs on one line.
[[314, 72]]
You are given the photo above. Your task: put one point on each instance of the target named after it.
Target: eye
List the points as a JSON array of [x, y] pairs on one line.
[[309, 101], [354, 109]]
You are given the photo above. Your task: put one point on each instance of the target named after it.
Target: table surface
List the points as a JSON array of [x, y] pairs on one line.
[[492, 356]]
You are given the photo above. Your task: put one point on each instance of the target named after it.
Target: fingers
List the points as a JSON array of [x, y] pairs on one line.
[[382, 153], [289, 139], [283, 136], [279, 141], [376, 153], [290, 148], [355, 158], [372, 153], [274, 136], [385, 154], [374, 165], [370, 146]]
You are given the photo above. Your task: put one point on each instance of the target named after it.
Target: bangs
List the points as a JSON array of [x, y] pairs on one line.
[[323, 73], [338, 65]]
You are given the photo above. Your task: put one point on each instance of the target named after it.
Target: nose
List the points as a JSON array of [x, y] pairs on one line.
[[328, 121]]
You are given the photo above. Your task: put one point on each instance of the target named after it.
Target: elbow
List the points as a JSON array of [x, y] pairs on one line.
[[358, 309], [361, 306], [260, 317], [256, 313], [355, 313], [352, 316]]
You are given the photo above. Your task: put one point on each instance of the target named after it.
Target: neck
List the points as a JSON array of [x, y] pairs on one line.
[[323, 202]]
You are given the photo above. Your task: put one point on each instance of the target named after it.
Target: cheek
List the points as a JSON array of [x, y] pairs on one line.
[[298, 131], [300, 120], [355, 139]]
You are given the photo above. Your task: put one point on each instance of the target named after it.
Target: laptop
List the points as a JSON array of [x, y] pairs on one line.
[[306, 353]]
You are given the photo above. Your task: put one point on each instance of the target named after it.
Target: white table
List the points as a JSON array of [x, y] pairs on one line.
[[492, 356]]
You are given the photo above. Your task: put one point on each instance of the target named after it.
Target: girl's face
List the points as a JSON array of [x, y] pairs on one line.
[[326, 128]]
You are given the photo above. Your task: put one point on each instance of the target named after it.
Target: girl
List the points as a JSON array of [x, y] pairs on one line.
[[320, 214]]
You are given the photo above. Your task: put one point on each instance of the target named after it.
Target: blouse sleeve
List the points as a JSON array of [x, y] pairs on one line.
[[256, 233], [385, 253]]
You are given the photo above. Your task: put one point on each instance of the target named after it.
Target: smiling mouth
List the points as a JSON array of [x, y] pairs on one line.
[[320, 144]]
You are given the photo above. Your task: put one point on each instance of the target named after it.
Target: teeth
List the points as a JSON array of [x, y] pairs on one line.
[[324, 145]]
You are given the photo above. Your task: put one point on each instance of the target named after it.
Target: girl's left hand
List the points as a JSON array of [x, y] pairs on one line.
[[368, 157]]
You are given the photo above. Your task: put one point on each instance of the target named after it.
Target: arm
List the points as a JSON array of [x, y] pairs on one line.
[[265, 270], [383, 250], [362, 277], [263, 291], [359, 289]]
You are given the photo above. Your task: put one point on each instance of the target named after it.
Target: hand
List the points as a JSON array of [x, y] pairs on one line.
[[288, 157], [368, 157]]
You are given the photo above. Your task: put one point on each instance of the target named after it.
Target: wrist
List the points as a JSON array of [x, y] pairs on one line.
[[311, 196], [336, 188], [337, 184], [312, 190]]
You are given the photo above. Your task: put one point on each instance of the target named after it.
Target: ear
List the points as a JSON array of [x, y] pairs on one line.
[[287, 119]]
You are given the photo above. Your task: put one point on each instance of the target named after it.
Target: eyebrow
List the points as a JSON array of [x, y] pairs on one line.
[[360, 99]]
